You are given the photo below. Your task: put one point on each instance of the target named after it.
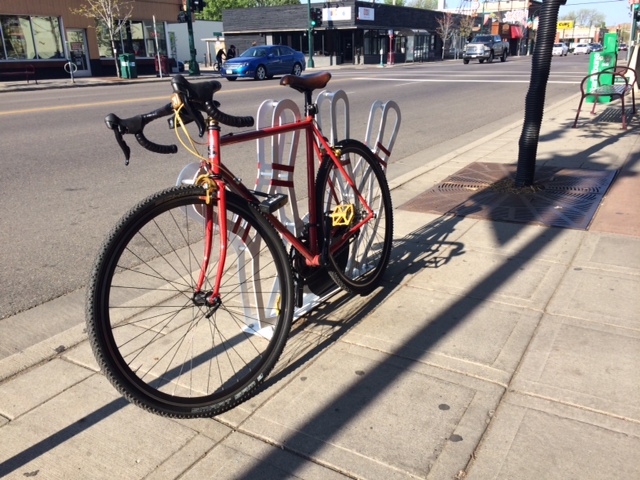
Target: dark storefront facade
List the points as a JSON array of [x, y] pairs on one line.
[[351, 32]]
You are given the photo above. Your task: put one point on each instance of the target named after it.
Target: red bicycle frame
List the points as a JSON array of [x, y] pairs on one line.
[[317, 146]]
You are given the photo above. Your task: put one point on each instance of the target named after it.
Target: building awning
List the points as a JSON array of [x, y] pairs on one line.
[[406, 32], [516, 31]]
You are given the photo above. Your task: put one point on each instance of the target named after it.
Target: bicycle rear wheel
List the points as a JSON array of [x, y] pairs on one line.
[[161, 346], [357, 266]]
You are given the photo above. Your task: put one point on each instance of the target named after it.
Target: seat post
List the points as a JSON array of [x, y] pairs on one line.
[[309, 107]]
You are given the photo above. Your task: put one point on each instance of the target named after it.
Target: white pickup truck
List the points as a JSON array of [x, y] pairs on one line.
[[485, 47]]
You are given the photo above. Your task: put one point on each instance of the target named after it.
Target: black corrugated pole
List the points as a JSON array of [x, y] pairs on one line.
[[534, 103]]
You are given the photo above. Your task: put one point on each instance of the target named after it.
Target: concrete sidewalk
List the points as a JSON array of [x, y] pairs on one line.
[[493, 350]]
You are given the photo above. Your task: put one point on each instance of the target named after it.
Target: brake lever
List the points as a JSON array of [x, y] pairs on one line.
[[197, 117], [123, 145]]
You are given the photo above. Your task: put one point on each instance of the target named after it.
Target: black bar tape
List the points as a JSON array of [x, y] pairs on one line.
[[154, 147], [225, 118]]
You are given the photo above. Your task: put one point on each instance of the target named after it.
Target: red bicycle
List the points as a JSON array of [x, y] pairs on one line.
[[193, 293]]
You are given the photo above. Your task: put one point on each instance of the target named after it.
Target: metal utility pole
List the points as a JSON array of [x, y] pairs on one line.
[[631, 44], [194, 68], [534, 102], [310, 63]]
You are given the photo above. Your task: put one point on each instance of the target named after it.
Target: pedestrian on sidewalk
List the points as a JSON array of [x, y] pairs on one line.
[[219, 56]]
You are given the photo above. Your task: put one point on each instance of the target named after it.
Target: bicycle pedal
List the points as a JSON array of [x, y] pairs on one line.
[[342, 215], [272, 202]]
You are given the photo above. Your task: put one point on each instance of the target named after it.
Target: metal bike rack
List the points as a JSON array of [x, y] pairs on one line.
[[276, 162], [384, 141], [381, 149], [333, 99], [276, 157]]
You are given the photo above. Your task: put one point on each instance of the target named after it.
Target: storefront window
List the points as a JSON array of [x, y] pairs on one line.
[[133, 36], [370, 42], [104, 44], [17, 38], [48, 38], [27, 38], [136, 37], [400, 44], [152, 34]]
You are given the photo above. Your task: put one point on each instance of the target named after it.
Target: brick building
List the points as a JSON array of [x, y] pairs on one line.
[[45, 34]]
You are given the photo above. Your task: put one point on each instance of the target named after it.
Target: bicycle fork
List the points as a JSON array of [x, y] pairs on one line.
[[212, 299]]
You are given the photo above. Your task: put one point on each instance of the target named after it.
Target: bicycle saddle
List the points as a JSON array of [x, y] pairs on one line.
[[306, 83]]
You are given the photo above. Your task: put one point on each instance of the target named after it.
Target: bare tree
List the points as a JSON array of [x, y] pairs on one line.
[[586, 17], [465, 26], [445, 29], [109, 14]]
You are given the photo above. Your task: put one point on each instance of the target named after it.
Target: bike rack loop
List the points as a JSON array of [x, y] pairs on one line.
[[333, 98], [379, 148], [275, 172]]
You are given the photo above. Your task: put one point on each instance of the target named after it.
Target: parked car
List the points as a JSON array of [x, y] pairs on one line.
[[560, 49], [623, 47], [595, 47], [582, 48], [264, 61]]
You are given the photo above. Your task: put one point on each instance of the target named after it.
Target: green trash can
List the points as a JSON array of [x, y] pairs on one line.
[[128, 65]]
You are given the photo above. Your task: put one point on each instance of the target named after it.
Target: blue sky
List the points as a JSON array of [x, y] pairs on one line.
[[616, 11]]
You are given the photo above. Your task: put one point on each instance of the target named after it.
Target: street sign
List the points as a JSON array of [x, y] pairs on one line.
[[566, 24]]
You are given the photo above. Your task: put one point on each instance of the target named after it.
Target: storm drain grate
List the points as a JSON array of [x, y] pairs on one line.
[[560, 198]]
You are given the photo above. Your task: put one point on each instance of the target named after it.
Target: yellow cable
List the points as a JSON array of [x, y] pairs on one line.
[[179, 124]]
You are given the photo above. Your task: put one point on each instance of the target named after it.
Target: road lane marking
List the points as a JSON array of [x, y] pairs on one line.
[[452, 80], [165, 98], [82, 105]]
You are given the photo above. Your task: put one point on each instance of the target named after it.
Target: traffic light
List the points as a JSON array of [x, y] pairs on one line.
[[316, 17], [312, 18]]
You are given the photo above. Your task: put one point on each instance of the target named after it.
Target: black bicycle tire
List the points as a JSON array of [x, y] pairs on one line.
[[363, 284], [101, 332]]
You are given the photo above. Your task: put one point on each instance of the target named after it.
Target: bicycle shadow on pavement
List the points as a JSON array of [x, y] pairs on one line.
[[427, 247], [326, 424]]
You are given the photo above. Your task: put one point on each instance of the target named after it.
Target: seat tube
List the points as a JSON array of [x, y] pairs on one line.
[[311, 189]]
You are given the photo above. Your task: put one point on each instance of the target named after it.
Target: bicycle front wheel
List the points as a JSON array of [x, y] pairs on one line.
[[166, 347], [358, 265]]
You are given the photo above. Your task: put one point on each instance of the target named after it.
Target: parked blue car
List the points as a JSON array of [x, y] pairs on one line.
[[264, 61]]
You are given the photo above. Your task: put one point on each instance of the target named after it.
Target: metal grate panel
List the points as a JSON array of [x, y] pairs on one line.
[[560, 198]]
